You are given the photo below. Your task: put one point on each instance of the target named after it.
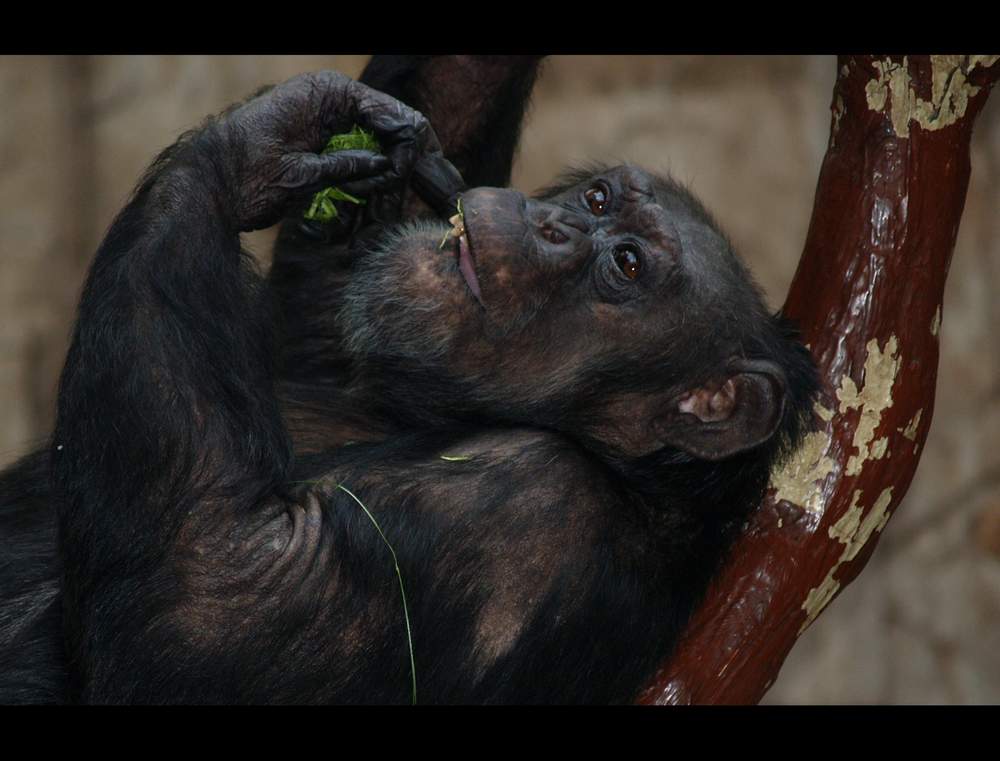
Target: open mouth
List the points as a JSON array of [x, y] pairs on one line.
[[463, 253]]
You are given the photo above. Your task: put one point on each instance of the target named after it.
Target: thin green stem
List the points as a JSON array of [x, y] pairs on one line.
[[402, 590], [399, 575]]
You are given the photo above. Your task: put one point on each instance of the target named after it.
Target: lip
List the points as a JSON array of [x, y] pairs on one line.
[[467, 267], [464, 257]]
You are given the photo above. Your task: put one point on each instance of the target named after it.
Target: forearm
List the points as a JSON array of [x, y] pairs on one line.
[[475, 102], [167, 404], [167, 387]]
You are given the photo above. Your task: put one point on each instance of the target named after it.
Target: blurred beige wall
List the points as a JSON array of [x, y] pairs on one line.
[[922, 624]]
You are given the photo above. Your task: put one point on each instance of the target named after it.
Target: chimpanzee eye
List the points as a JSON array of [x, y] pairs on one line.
[[628, 261], [597, 199]]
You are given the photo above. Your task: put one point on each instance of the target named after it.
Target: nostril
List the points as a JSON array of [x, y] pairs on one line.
[[554, 236]]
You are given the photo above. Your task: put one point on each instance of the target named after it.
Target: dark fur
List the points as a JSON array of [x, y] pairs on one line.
[[206, 416], [32, 667]]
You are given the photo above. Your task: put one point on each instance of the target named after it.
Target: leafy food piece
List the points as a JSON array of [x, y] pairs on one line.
[[322, 208]]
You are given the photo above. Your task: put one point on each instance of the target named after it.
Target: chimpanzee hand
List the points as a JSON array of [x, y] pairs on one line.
[[270, 145]]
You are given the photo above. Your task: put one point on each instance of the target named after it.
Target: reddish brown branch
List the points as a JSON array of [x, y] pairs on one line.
[[867, 295]]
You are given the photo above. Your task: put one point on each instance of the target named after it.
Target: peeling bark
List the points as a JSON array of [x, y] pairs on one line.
[[867, 295]]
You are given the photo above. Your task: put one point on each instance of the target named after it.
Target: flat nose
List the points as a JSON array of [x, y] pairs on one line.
[[555, 225], [496, 203], [547, 214], [547, 233]]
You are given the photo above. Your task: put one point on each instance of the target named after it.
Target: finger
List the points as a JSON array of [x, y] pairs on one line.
[[308, 170], [356, 164], [370, 185], [404, 132], [406, 154]]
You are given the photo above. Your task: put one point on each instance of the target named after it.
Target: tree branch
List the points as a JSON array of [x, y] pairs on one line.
[[867, 296]]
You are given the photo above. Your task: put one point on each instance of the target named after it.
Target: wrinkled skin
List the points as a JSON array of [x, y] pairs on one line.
[[271, 144], [559, 422]]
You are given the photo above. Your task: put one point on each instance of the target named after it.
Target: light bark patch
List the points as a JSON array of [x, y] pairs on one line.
[[879, 448], [910, 431], [838, 113], [872, 399], [852, 530], [800, 479], [823, 413], [950, 91]]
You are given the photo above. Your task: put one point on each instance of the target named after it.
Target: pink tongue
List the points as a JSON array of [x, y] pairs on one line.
[[465, 267]]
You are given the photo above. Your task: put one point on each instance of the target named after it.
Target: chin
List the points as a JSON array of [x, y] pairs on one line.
[[408, 298]]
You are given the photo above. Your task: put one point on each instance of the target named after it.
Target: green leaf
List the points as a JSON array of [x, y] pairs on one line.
[[322, 208]]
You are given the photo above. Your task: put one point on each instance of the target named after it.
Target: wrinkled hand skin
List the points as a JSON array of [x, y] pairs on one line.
[[267, 150]]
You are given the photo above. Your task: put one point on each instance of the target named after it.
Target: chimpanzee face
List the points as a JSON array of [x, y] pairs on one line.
[[612, 301]]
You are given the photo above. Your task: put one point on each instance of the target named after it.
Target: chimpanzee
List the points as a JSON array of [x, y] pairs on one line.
[[495, 460]]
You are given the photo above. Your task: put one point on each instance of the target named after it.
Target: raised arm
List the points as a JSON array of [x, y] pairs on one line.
[[475, 102], [168, 432]]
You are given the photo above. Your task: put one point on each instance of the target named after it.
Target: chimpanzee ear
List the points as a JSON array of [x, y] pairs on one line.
[[723, 418]]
